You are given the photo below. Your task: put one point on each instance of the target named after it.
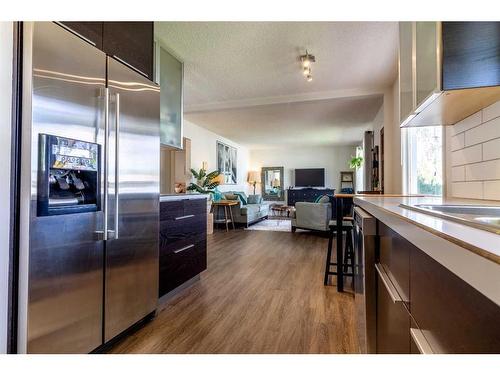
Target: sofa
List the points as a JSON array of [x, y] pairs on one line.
[[249, 210]]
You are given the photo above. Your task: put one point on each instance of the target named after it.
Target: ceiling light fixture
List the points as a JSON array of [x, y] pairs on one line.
[[307, 61]]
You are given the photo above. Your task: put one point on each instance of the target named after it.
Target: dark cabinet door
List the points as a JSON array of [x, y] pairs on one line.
[[471, 52], [395, 258], [90, 31], [393, 320], [183, 242], [453, 316], [132, 43]]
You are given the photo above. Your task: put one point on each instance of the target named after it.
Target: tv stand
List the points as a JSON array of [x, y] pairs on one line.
[[306, 194]]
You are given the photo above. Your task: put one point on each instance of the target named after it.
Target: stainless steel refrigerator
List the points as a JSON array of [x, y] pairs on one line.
[[89, 194]]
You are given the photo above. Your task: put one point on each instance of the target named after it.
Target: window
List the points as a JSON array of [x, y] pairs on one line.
[[424, 160]]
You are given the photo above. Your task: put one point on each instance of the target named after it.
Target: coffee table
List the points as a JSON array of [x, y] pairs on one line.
[[282, 210]]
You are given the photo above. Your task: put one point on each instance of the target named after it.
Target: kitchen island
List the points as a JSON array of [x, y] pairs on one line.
[[437, 281]]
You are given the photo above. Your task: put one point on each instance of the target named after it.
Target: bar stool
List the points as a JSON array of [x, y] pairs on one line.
[[347, 228]]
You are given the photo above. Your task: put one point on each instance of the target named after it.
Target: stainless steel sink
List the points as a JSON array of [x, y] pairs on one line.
[[482, 217]]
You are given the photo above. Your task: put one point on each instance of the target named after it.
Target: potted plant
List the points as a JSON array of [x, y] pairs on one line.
[[206, 183], [355, 162]]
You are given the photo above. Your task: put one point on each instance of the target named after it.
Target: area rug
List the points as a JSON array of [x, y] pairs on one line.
[[274, 225]]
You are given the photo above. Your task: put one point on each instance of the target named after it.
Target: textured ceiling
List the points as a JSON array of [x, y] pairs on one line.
[[246, 75], [318, 122], [227, 61]]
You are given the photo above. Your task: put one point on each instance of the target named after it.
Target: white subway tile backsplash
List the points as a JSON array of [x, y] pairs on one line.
[[491, 112], [473, 156], [486, 170], [468, 123], [491, 149], [458, 142], [483, 132], [467, 155], [492, 190], [473, 190], [458, 174]]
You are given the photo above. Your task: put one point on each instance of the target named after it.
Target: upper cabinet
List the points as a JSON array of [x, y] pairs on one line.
[[132, 43], [405, 69], [90, 31], [129, 42], [169, 76], [447, 70]]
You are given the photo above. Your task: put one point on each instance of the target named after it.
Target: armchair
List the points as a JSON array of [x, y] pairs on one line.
[[314, 216]]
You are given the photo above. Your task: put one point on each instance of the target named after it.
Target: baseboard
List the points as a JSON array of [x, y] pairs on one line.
[[167, 297]]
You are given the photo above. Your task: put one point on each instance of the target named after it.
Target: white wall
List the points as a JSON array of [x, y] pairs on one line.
[[333, 159], [203, 148], [6, 46], [473, 155], [388, 118]]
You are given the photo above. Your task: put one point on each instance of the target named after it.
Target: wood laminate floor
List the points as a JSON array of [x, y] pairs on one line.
[[262, 293]]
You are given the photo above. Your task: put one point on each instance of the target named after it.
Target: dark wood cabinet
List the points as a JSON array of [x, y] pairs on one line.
[[306, 195], [422, 307], [131, 42], [393, 320], [91, 31], [183, 242], [452, 315], [471, 52], [394, 256]]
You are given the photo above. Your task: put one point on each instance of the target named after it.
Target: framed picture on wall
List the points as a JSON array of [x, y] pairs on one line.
[[227, 163]]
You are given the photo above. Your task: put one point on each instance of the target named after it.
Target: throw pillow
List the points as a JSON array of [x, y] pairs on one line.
[[230, 197], [254, 199], [322, 199], [242, 196]]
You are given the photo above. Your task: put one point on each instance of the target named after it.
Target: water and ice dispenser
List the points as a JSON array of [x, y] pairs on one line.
[[68, 176]]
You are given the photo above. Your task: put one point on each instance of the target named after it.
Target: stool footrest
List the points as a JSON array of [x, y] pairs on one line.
[[343, 273]]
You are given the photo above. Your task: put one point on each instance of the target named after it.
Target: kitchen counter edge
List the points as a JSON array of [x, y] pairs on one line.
[[178, 197], [429, 234]]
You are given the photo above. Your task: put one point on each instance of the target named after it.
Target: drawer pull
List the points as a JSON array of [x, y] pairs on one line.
[[183, 217], [184, 248], [393, 293], [418, 338]]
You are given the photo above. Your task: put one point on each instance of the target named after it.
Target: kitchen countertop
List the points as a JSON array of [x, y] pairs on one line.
[[176, 197], [472, 254], [484, 243]]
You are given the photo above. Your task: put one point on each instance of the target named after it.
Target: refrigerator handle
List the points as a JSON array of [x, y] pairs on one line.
[[106, 162], [117, 163]]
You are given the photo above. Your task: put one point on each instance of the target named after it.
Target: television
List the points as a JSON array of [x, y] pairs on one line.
[[311, 177]]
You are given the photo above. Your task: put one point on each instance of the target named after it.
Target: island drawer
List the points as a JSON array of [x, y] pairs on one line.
[[181, 209], [186, 228], [394, 256], [182, 264], [453, 316]]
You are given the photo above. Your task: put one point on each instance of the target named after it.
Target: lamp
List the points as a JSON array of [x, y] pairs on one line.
[[276, 183], [253, 179]]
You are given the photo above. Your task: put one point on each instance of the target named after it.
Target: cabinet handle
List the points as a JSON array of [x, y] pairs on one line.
[[183, 217], [393, 293], [418, 338], [184, 248]]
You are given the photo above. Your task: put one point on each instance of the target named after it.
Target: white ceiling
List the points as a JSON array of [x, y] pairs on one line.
[[318, 122], [246, 75]]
